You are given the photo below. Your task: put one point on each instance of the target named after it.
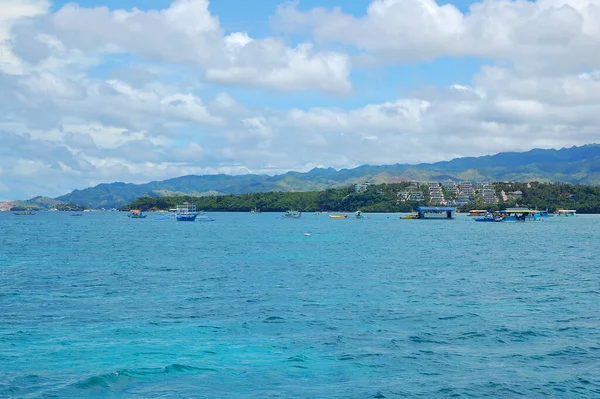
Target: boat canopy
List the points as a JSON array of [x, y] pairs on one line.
[[519, 210]]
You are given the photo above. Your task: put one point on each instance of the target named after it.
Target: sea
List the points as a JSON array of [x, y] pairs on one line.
[[258, 306]]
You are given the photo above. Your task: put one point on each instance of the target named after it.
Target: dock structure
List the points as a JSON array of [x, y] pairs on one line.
[[435, 212]]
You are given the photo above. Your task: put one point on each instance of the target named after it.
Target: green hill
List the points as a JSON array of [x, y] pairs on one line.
[[577, 165]]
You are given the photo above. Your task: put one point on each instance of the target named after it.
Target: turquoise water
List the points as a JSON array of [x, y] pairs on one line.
[[248, 306]]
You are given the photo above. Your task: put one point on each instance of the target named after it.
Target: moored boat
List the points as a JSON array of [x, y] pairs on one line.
[[566, 212], [292, 215], [478, 212], [520, 214], [186, 212], [409, 217], [490, 218], [338, 216], [136, 214], [25, 213]]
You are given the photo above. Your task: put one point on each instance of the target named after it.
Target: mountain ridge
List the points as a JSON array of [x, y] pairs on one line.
[[574, 165]]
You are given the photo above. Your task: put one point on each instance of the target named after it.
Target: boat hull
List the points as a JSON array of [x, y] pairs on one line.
[[186, 218]]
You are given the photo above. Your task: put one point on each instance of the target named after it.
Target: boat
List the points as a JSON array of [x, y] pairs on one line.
[[490, 217], [338, 216], [255, 210], [292, 215], [25, 213], [77, 214], [186, 212], [478, 212], [136, 214], [520, 214], [409, 217], [358, 215], [566, 212]]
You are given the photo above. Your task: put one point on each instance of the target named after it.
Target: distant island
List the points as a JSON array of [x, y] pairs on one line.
[[396, 197], [576, 165]]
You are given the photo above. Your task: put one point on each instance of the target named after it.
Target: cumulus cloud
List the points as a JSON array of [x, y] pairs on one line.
[[547, 35], [185, 33]]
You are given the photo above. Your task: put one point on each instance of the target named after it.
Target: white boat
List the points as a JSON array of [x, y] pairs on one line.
[[292, 215], [566, 212]]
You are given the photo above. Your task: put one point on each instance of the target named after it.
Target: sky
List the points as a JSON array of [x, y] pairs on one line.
[[100, 91]]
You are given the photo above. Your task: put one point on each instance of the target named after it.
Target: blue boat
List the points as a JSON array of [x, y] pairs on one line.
[[521, 214], [186, 212], [490, 218], [136, 214]]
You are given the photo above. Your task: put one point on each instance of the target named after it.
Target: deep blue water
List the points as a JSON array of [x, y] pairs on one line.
[[102, 306]]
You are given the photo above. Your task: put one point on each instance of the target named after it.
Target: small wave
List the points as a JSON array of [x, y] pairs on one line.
[[450, 317], [274, 319], [297, 358], [568, 352], [422, 340], [121, 378]]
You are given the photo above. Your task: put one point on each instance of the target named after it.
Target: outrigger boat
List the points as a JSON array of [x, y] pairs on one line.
[[292, 215], [25, 213], [136, 214], [186, 212], [493, 217]]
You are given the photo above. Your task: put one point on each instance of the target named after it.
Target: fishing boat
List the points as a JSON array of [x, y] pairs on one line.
[[186, 212], [292, 215], [338, 216], [136, 214]]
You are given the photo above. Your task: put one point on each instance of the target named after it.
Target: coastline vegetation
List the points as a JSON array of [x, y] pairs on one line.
[[385, 198]]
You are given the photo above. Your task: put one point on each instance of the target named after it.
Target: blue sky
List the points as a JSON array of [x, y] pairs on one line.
[[269, 86], [370, 84]]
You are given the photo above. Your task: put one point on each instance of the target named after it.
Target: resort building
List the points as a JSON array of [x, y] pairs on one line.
[[488, 192], [450, 186], [436, 196], [466, 188], [361, 187]]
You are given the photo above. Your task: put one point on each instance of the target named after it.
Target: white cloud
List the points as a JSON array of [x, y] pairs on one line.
[[546, 35], [187, 33], [11, 11]]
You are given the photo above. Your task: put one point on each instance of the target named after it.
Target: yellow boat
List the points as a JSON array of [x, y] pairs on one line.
[[338, 216], [478, 212]]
